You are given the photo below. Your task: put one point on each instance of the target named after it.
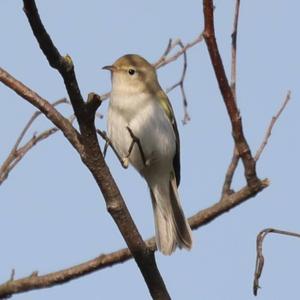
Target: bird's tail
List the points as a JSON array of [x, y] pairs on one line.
[[171, 226]]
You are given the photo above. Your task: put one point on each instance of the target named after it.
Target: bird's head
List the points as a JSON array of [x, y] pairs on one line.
[[134, 74]]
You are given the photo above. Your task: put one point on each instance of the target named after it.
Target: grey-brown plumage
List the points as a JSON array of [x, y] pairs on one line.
[[138, 102]]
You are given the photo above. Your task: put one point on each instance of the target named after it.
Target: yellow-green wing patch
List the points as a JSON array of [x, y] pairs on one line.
[[166, 105]]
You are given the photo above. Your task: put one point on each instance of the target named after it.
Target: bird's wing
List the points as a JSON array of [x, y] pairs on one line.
[[166, 105]]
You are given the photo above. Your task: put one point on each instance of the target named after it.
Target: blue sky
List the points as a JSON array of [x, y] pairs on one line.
[[51, 213]]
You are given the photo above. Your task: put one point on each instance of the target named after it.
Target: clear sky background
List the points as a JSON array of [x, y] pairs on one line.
[[52, 215]]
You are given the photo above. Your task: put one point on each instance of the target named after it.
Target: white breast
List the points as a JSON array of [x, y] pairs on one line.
[[150, 125]]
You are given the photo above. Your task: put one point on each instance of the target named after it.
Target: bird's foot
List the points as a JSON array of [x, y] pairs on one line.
[[138, 142]]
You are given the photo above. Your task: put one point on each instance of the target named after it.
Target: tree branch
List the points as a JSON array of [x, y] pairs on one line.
[[235, 155], [106, 260], [228, 97], [272, 123], [226, 190], [44, 106], [92, 157], [13, 159], [180, 83], [164, 60], [63, 64], [31, 120], [259, 254], [17, 153], [235, 158], [234, 47]]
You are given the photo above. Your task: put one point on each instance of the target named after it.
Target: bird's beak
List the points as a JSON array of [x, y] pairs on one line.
[[109, 68]]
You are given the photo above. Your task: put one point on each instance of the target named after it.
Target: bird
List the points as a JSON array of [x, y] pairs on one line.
[[142, 128]]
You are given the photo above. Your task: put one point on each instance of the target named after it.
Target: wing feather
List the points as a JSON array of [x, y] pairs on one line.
[[166, 105]]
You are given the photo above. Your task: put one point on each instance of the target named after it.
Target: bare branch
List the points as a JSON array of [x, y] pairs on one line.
[[12, 275], [226, 190], [180, 83], [14, 286], [234, 48], [235, 155], [164, 60], [32, 119], [169, 48], [63, 64], [16, 154], [259, 253], [92, 157], [93, 103], [233, 112], [106, 260], [44, 106], [235, 158], [272, 123]]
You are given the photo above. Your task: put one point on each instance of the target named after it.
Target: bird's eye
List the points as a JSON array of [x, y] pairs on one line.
[[131, 71]]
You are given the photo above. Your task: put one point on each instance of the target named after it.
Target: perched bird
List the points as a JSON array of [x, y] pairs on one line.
[[143, 130]]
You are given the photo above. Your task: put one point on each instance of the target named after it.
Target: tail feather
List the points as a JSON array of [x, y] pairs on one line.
[[183, 230], [164, 234], [171, 226]]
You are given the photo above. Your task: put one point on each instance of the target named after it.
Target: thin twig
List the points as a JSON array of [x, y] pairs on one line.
[[235, 158], [235, 155], [180, 83], [226, 190], [44, 106], [32, 119], [164, 60], [16, 154], [12, 275], [234, 48], [169, 48], [19, 154], [259, 253], [272, 123]]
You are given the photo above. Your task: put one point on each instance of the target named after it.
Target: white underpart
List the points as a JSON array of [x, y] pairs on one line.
[[149, 123]]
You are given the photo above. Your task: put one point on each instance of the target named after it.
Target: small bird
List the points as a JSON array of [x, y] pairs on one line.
[[143, 130]]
